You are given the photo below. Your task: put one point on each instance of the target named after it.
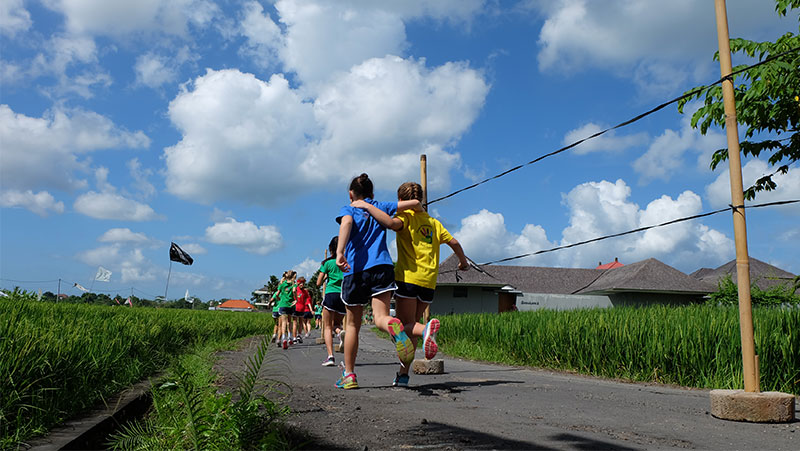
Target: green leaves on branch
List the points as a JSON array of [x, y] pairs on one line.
[[767, 103]]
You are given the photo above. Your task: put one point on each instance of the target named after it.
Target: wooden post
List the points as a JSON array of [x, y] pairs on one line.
[[423, 181], [737, 200]]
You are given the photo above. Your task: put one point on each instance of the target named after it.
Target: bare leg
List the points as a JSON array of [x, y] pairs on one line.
[[351, 338]]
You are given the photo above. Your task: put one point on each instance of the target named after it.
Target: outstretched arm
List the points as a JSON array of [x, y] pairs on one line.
[[463, 264], [344, 236], [380, 215]]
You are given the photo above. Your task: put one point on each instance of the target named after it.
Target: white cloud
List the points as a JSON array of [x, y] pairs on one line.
[[123, 235], [40, 203], [14, 18], [154, 70], [654, 42], [607, 142], [379, 117], [109, 205], [122, 17], [194, 249], [241, 135], [140, 177], [245, 235], [665, 155], [597, 209], [307, 268], [718, 192], [43, 153]]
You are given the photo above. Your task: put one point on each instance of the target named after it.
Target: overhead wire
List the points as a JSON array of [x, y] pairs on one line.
[[620, 125], [629, 232]]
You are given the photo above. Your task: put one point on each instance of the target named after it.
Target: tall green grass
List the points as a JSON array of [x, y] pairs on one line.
[[694, 346], [59, 359]]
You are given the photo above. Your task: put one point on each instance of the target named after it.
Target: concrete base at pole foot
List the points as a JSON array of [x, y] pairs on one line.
[[435, 366], [764, 407], [320, 341]]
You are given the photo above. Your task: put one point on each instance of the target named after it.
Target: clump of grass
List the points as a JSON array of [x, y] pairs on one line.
[[694, 346], [59, 359]]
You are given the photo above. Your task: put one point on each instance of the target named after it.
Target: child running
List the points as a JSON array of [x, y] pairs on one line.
[[334, 309], [418, 239], [285, 306], [368, 274], [302, 310]]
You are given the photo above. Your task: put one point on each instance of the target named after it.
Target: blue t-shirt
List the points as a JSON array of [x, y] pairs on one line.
[[367, 244]]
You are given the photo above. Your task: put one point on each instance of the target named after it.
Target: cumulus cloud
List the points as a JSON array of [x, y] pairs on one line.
[[41, 203], [665, 155], [718, 192], [194, 249], [639, 39], [241, 135], [120, 17], [109, 205], [245, 235], [307, 268], [141, 178], [123, 235], [607, 142], [43, 153], [156, 69], [14, 18], [597, 209]]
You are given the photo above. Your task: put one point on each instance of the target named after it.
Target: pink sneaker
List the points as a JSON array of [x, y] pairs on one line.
[[429, 338]]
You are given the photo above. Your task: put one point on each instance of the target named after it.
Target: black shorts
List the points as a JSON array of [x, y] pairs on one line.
[[359, 288], [297, 314], [409, 290], [333, 302], [308, 315], [286, 311]]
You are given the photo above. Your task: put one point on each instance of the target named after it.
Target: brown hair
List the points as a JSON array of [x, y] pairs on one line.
[[301, 279], [361, 187], [409, 191]]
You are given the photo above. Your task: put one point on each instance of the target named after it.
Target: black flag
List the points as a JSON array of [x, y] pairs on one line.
[[177, 254]]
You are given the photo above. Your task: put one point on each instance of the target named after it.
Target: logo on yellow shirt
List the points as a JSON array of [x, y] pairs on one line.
[[427, 234]]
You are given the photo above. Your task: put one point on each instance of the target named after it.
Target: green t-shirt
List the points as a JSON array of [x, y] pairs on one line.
[[285, 298], [334, 276]]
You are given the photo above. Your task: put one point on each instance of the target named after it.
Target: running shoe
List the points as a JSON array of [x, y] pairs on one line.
[[330, 361], [347, 382], [299, 339], [405, 348], [429, 338], [400, 380], [285, 344], [340, 345]]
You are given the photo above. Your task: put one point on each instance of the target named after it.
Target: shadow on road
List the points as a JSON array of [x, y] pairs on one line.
[[455, 386]]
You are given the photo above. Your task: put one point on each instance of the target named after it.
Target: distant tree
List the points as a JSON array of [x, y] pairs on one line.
[[311, 285], [767, 102], [48, 296]]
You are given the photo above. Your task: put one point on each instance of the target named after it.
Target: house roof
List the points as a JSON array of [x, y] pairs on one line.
[[236, 304], [649, 275], [763, 275], [614, 264]]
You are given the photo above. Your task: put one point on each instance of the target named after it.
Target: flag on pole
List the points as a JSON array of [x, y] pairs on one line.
[[177, 254], [117, 301], [103, 275], [128, 301], [80, 287]]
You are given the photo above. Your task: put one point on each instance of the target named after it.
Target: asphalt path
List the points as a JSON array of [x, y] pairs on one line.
[[476, 405]]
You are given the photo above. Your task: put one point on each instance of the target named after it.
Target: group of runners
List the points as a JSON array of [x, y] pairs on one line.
[[360, 272]]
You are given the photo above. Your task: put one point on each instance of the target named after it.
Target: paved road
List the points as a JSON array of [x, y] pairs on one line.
[[485, 406]]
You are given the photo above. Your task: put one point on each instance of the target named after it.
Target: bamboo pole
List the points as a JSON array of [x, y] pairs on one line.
[[737, 200], [423, 181]]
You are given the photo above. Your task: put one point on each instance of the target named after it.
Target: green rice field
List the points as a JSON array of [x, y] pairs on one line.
[[693, 346], [57, 360]]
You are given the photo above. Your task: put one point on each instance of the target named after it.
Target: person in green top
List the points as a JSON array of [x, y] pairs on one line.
[[285, 302], [333, 308]]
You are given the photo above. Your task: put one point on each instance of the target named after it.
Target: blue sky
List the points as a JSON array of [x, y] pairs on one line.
[[234, 127]]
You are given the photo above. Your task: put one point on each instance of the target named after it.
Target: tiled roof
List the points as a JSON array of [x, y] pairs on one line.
[[236, 303], [648, 275], [763, 275]]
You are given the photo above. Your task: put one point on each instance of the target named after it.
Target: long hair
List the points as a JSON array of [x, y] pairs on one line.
[[332, 248], [362, 187]]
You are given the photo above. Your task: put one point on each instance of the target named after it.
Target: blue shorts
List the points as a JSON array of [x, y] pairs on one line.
[[275, 314], [286, 311], [359, 288], [409, 290], [333, 302]]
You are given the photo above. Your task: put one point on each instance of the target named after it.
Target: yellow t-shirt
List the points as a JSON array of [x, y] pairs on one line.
[[418, 248]]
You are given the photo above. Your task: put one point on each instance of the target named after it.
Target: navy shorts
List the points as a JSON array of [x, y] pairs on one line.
[[409, 290], [275, 314], [297, 314], [359, 288], [308, 315], [333, 302], [286, 311]]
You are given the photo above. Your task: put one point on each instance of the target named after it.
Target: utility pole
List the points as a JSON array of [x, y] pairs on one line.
[[749, 359], [423, 181]]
